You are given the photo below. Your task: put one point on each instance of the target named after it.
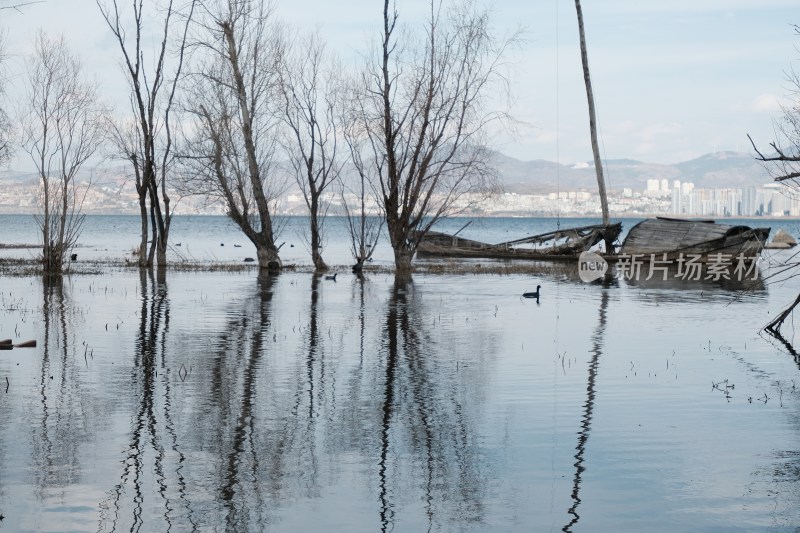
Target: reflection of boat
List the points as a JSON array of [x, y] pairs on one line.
[[564, 244], [652, 238], [678, 277]]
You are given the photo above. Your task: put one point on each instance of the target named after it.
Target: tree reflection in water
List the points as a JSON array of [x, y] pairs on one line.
[[588, 411], [153, 448], [296, 404], [60, 432], [425, 430], [238, 428]]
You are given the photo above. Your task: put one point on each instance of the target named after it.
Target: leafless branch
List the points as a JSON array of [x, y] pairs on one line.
[[62, 129], [232, 100], [424, 115]]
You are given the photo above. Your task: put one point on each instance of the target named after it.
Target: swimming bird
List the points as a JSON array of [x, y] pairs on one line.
[[532, 294], [332, 276]]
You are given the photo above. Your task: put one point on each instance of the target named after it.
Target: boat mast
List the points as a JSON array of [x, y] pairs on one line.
[[598, 166]]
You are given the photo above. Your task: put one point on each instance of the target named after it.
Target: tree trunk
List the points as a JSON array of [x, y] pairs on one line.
[[316, 242], [268, 260], [403, 257], [161, 252], [143, 241], [151, 252], [601, 185]]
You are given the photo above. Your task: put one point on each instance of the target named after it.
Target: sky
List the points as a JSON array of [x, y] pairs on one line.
[[672, 80]]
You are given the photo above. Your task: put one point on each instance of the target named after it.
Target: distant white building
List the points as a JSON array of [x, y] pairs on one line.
[[677, 198]]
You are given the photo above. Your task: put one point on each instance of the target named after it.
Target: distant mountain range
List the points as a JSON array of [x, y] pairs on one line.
[[717, 170], [711, 171]]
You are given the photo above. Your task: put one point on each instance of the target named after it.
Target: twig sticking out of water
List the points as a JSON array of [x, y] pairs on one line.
[[775, 326]]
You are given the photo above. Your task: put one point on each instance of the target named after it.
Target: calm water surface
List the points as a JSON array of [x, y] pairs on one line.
[[222, 401]]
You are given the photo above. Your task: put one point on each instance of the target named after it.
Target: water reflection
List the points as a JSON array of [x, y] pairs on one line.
[[783, 341], [588, 411], [60, 431], [251, 465], [153, 447], [299, 404], [674, 285], [426, 426]]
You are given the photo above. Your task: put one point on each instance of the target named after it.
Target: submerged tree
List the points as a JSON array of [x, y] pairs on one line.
[[5, 122], [364, 227], [310, 84], [149, 145], [61, 131], [233, 94], [424, 114]]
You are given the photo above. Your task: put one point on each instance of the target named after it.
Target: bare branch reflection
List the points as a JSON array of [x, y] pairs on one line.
[[425, 427], [153, 435], [239, 438], [59, 433]]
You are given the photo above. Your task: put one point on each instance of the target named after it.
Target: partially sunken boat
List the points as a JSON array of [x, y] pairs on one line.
[[655, 237], [560, 244]]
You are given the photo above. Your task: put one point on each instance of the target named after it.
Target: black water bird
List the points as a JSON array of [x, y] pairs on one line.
[[532, 294], [332, 276]]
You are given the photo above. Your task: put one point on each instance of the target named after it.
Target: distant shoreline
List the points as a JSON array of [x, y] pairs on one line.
[[625, 216]]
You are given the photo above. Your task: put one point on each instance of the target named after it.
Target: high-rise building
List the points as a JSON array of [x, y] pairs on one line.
[[677, 198], [749, 206]]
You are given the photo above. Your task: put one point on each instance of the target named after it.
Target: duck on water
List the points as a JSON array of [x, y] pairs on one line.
[[532, 294]]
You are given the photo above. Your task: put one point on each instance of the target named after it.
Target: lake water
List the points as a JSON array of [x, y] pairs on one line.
[[211, 401]]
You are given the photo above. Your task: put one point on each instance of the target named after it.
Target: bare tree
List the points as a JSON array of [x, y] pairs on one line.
[[310, 85], [5, 122], [61, 131], [784, 163], [424, 113], [362, 224], [149, 147], [233, 95]]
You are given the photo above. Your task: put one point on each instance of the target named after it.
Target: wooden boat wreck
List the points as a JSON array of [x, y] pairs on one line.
[[560, 244], [655, 237]]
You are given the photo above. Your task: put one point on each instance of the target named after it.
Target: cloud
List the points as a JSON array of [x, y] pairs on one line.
[[766, 103]]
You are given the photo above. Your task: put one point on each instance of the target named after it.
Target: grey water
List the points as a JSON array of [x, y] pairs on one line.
[[216, 239], [226, 401]]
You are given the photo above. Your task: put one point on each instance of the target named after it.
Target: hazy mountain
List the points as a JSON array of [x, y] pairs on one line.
[[10, 177], [717, 170], [112, 191]]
